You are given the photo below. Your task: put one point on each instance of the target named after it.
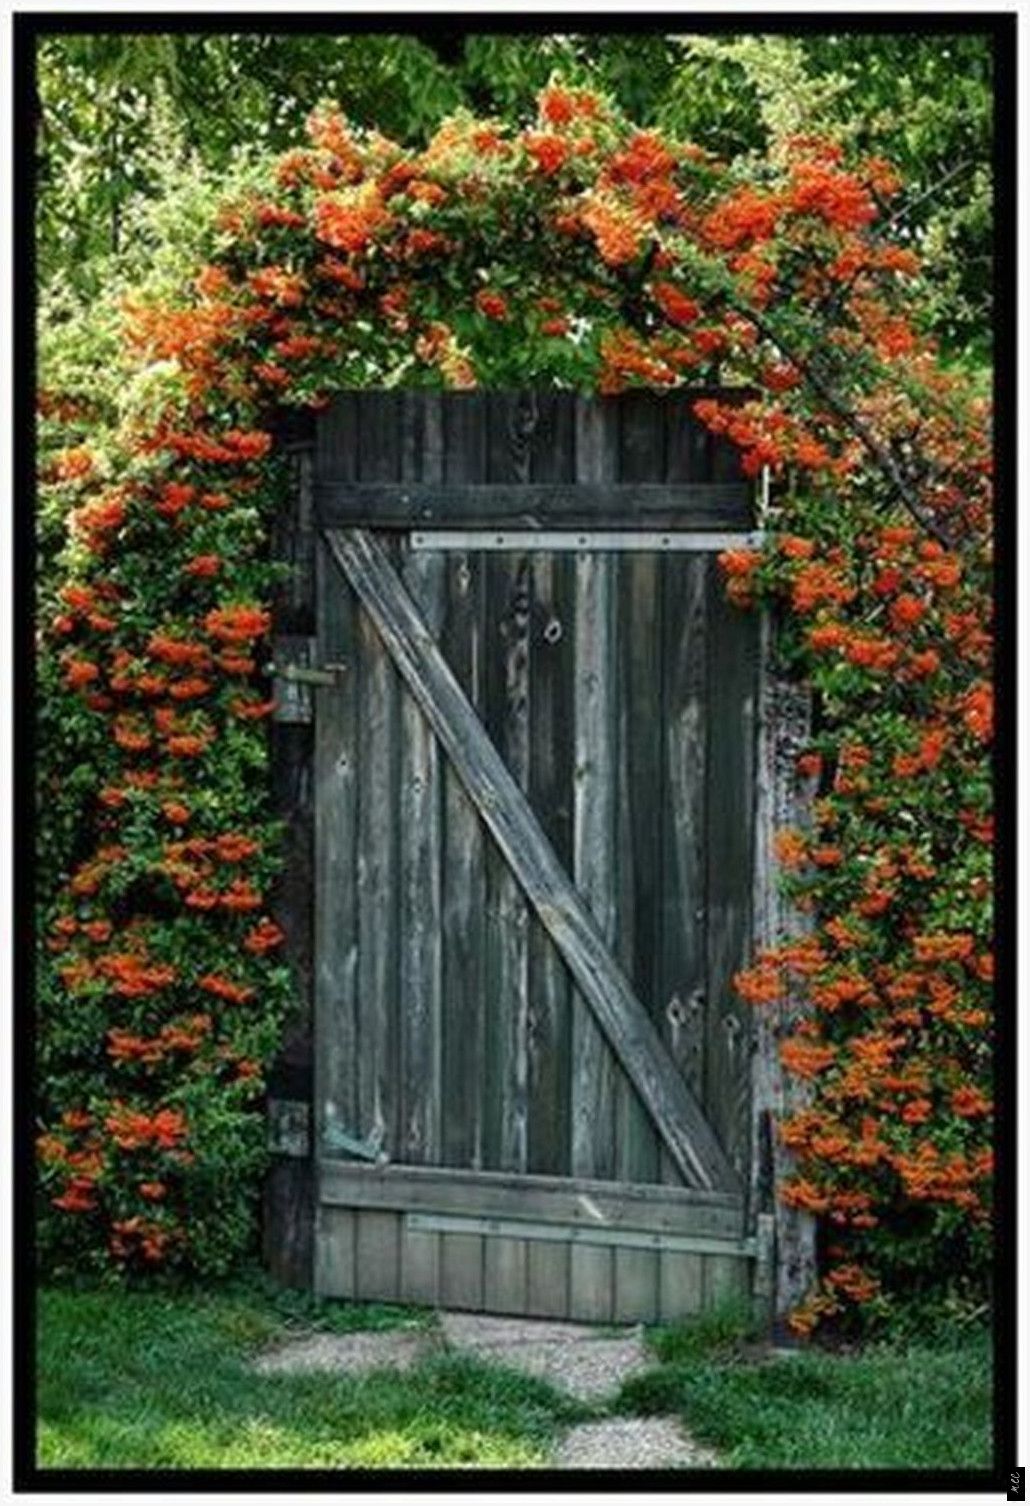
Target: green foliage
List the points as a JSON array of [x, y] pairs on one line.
[[116, 111], [151, 1379], [891, 1407], [156, 1380], [712, 1334]]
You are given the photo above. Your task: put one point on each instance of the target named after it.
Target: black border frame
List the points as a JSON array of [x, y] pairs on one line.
[[1001, 26]]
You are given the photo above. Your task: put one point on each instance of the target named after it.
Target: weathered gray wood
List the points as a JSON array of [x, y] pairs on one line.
[[420, 1266], [551, 770], [377, 1255], [636, 657], [547, 1280], [461, 1271], [782, 798], [464, 839], [420, 1025], [338, 1098], [505, 1272], [568, 1200], [688, 444], [732, 686], [682, 960], [551, 648], [288, 1214], [293, 701], [591, 1284], [635, 1296], [593, 1070], [680, 1285], [378, 721], [638, 785], [647, 504], [512, 425], [335, 1246], [518, 834], [726, 1281]]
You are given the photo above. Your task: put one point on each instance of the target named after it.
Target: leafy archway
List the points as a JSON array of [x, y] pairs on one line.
[[583, 252]]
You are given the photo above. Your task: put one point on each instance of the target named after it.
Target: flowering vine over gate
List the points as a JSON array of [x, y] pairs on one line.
[[580, 252]]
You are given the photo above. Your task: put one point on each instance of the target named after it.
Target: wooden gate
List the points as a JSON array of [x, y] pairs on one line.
[[534, 856]]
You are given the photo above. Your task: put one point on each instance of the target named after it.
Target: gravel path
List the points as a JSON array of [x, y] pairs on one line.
[[349, 1353], [583, 1361], [573, 1356], [631, 1443]]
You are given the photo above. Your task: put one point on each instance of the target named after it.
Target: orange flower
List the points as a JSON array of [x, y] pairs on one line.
[[675, 305], [790, 847], [265, 935], [79, 672], [969, 1103], [225, 988], [204, 565], [237, 624], [493, 305], [806, 1058], [548, 152]]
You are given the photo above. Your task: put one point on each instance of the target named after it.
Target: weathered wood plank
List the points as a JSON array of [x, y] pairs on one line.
[[682, 898], [377, 1256], [732, 685], [591, 1284], [517, 832], [420, 1266], [726, 1281], [782, 798], [550, 791], [688, 444], [335, 1247], [505, 1267], [640, 817], [649, 504], [512, 423], [339, 1099], [594, 812], [288, 1221], [547, 1280], [420, 843], [378, 722], [551, 783], [464, 839], [680, 1285], [582, 1201], [635, 1296], [461, 1271]]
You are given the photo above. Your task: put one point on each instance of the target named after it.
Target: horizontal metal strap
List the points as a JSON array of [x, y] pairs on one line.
[[585, 541], [633, 1239]]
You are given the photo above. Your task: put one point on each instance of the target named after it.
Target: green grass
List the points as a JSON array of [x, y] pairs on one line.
[[901, 1406], [162, 1380], [139, 1379]]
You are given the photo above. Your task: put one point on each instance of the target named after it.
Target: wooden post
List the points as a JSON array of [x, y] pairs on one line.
[[781, 799]]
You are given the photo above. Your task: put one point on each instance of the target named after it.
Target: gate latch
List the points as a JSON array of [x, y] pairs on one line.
[[303, 674]]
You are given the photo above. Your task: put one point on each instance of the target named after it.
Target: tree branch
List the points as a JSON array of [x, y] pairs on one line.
[[889, 467]]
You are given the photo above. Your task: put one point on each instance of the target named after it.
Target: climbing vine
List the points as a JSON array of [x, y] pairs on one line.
[[582, 252]]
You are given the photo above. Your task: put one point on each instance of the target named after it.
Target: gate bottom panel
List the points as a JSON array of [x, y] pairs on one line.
[[550, 1249]]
